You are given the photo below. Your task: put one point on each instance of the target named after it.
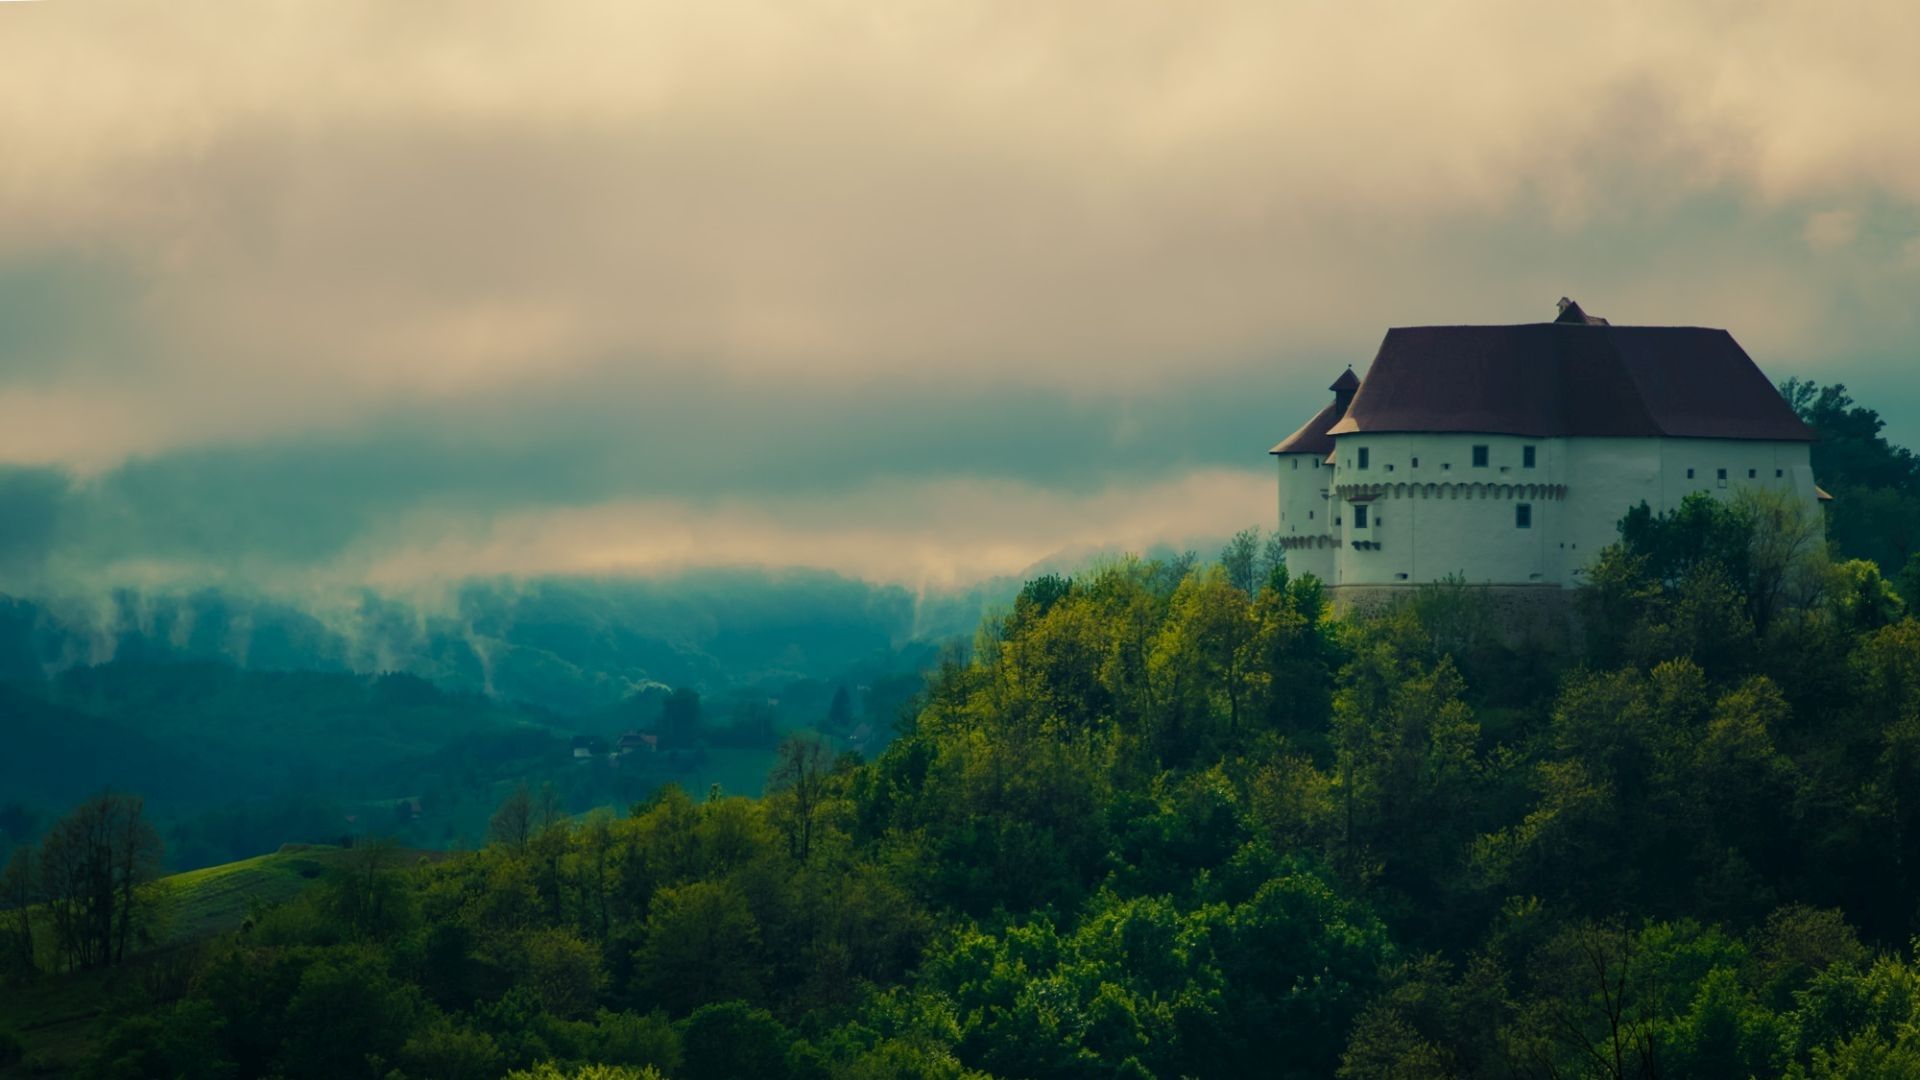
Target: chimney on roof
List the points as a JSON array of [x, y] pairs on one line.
[[1570, 313], [1343, 390]]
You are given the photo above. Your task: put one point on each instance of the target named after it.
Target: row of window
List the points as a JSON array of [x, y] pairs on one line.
[[1528, 459], [1752, 474], [1481, 455], [1522, 516]]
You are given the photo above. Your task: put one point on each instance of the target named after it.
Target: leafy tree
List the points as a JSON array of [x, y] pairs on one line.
[[1240, 559], [448, 1052], [513, 823], [1406, 768], [181, 1040], [797, 789], [563, 972], [732, 1039], [648, 1040], [347, 1015], [701, 944], [1875, 513]]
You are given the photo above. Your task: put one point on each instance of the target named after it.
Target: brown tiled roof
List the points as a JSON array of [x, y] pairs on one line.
[[1312, 438], [1557, 379]]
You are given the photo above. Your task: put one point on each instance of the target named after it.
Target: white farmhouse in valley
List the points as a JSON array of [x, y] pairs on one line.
[[1506, 455]]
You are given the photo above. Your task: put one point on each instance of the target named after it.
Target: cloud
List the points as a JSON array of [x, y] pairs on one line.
[[926, 533], [938, 535], [1831, 229], [278, 277]]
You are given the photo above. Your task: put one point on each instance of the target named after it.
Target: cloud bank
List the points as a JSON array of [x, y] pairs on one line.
[[915, 292]]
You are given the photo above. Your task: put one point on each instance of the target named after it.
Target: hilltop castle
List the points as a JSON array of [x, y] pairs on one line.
[[1506, 455]]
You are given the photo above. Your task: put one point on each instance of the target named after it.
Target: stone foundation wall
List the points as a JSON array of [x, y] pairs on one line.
[[1538, 613]]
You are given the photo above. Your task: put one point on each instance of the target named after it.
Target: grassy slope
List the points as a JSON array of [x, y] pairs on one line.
[[215, 899], [58, 1016]]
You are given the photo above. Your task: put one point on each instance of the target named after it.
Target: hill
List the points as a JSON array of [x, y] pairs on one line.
[[55, 1017]]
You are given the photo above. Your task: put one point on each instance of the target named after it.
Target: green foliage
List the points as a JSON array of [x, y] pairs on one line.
[[563, 972], [733, 1039], [1176, 820], [1175, 990], [346, 1014], [548, 1070], [1875, 513], [701, 943], [445, 1052]]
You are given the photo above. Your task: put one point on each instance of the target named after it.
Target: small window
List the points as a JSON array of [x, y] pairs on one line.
[[1363, 457], [1722, 474], [1416, 463], [1751, 473], [1309, 515], [1400, 577], [1444, 466], [1523, 516], [1479, 457], [1689, 474], [1359, 517], [1778, 473], [1389, 466], [1296, 464], [1336, 519], [1526, 457]]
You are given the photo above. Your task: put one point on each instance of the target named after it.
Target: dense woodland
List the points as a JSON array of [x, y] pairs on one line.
[[1172, 819]]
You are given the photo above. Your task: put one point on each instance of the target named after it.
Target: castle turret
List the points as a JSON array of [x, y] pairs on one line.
[[1306, 480]]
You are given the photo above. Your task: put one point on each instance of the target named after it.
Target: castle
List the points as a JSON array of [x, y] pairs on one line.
[[1506, 455]]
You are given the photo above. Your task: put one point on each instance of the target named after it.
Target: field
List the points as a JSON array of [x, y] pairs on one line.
[[215, 899]]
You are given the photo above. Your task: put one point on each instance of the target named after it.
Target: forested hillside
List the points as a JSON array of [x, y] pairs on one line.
[[1162, 820]]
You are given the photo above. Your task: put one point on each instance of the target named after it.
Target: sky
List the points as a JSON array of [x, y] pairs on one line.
[[921, 292]]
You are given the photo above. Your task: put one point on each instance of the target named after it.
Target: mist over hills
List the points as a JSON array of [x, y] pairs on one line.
[[568, 644]]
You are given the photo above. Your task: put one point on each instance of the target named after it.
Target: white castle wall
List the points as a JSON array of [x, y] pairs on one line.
[[1303, 479], [1433, 514], [1306, 514]]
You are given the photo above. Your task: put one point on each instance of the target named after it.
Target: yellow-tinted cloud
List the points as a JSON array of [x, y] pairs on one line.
[[318, 215], [934, 535], [376, 199]]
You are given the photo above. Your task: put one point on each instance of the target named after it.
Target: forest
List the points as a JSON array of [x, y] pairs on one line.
[[1161, 818]]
